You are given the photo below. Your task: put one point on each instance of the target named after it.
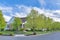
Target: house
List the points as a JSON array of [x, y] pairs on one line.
[[23, 21], [9, 27]]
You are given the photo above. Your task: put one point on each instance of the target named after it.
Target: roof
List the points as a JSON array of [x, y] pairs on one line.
[[23, 19]]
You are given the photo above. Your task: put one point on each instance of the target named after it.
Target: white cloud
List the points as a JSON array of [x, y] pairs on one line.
[[6, 9], [20, 15], [42, 2], [7, 18], [24, 10], [39, 10], [56, 19], [58, 3], [54, 14], [48, 13], [56, 11]]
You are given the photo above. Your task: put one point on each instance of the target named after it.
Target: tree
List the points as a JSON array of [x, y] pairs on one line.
[[17, 23], [44, 22], [2, 21], [56, 26], [48, 23], [31, 20], [40, 21]]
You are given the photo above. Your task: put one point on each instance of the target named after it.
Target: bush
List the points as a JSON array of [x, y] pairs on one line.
[[34, 33], [1, 33], [13, 30], [28, 29], [2, 29], [11, 34], [22, 29]]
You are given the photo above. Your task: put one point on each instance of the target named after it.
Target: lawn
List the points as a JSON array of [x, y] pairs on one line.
[[22, 32]]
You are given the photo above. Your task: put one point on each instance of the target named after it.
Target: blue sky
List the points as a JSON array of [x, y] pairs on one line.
[[20, 2], [48, 4], [22, 7]]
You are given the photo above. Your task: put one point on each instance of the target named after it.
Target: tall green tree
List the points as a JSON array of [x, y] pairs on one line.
[[32, 20], [40, 21], [56, 26], [2, 21], [16, 23], [48, 23]]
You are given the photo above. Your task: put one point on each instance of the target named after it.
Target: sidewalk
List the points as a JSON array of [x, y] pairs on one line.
[[18, 35]]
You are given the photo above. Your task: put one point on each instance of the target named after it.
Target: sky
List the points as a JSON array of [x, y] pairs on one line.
[[21, 8]]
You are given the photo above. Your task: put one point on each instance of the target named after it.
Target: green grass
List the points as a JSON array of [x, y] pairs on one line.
[[26, 33], [37, 32], [6, 33]]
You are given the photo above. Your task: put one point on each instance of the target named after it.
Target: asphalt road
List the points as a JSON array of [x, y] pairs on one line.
[[52, 36]]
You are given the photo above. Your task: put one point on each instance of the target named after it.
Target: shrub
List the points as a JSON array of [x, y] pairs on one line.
[[2, 29], [22, 29], [34, 33], [11, 34], [28, 29], [1, 33]]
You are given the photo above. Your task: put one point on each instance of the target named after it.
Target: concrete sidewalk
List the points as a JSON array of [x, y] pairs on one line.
[[19, 35]]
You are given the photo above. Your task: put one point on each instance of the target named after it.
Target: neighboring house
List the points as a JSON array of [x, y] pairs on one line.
[[8, 26], [23, 22]]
